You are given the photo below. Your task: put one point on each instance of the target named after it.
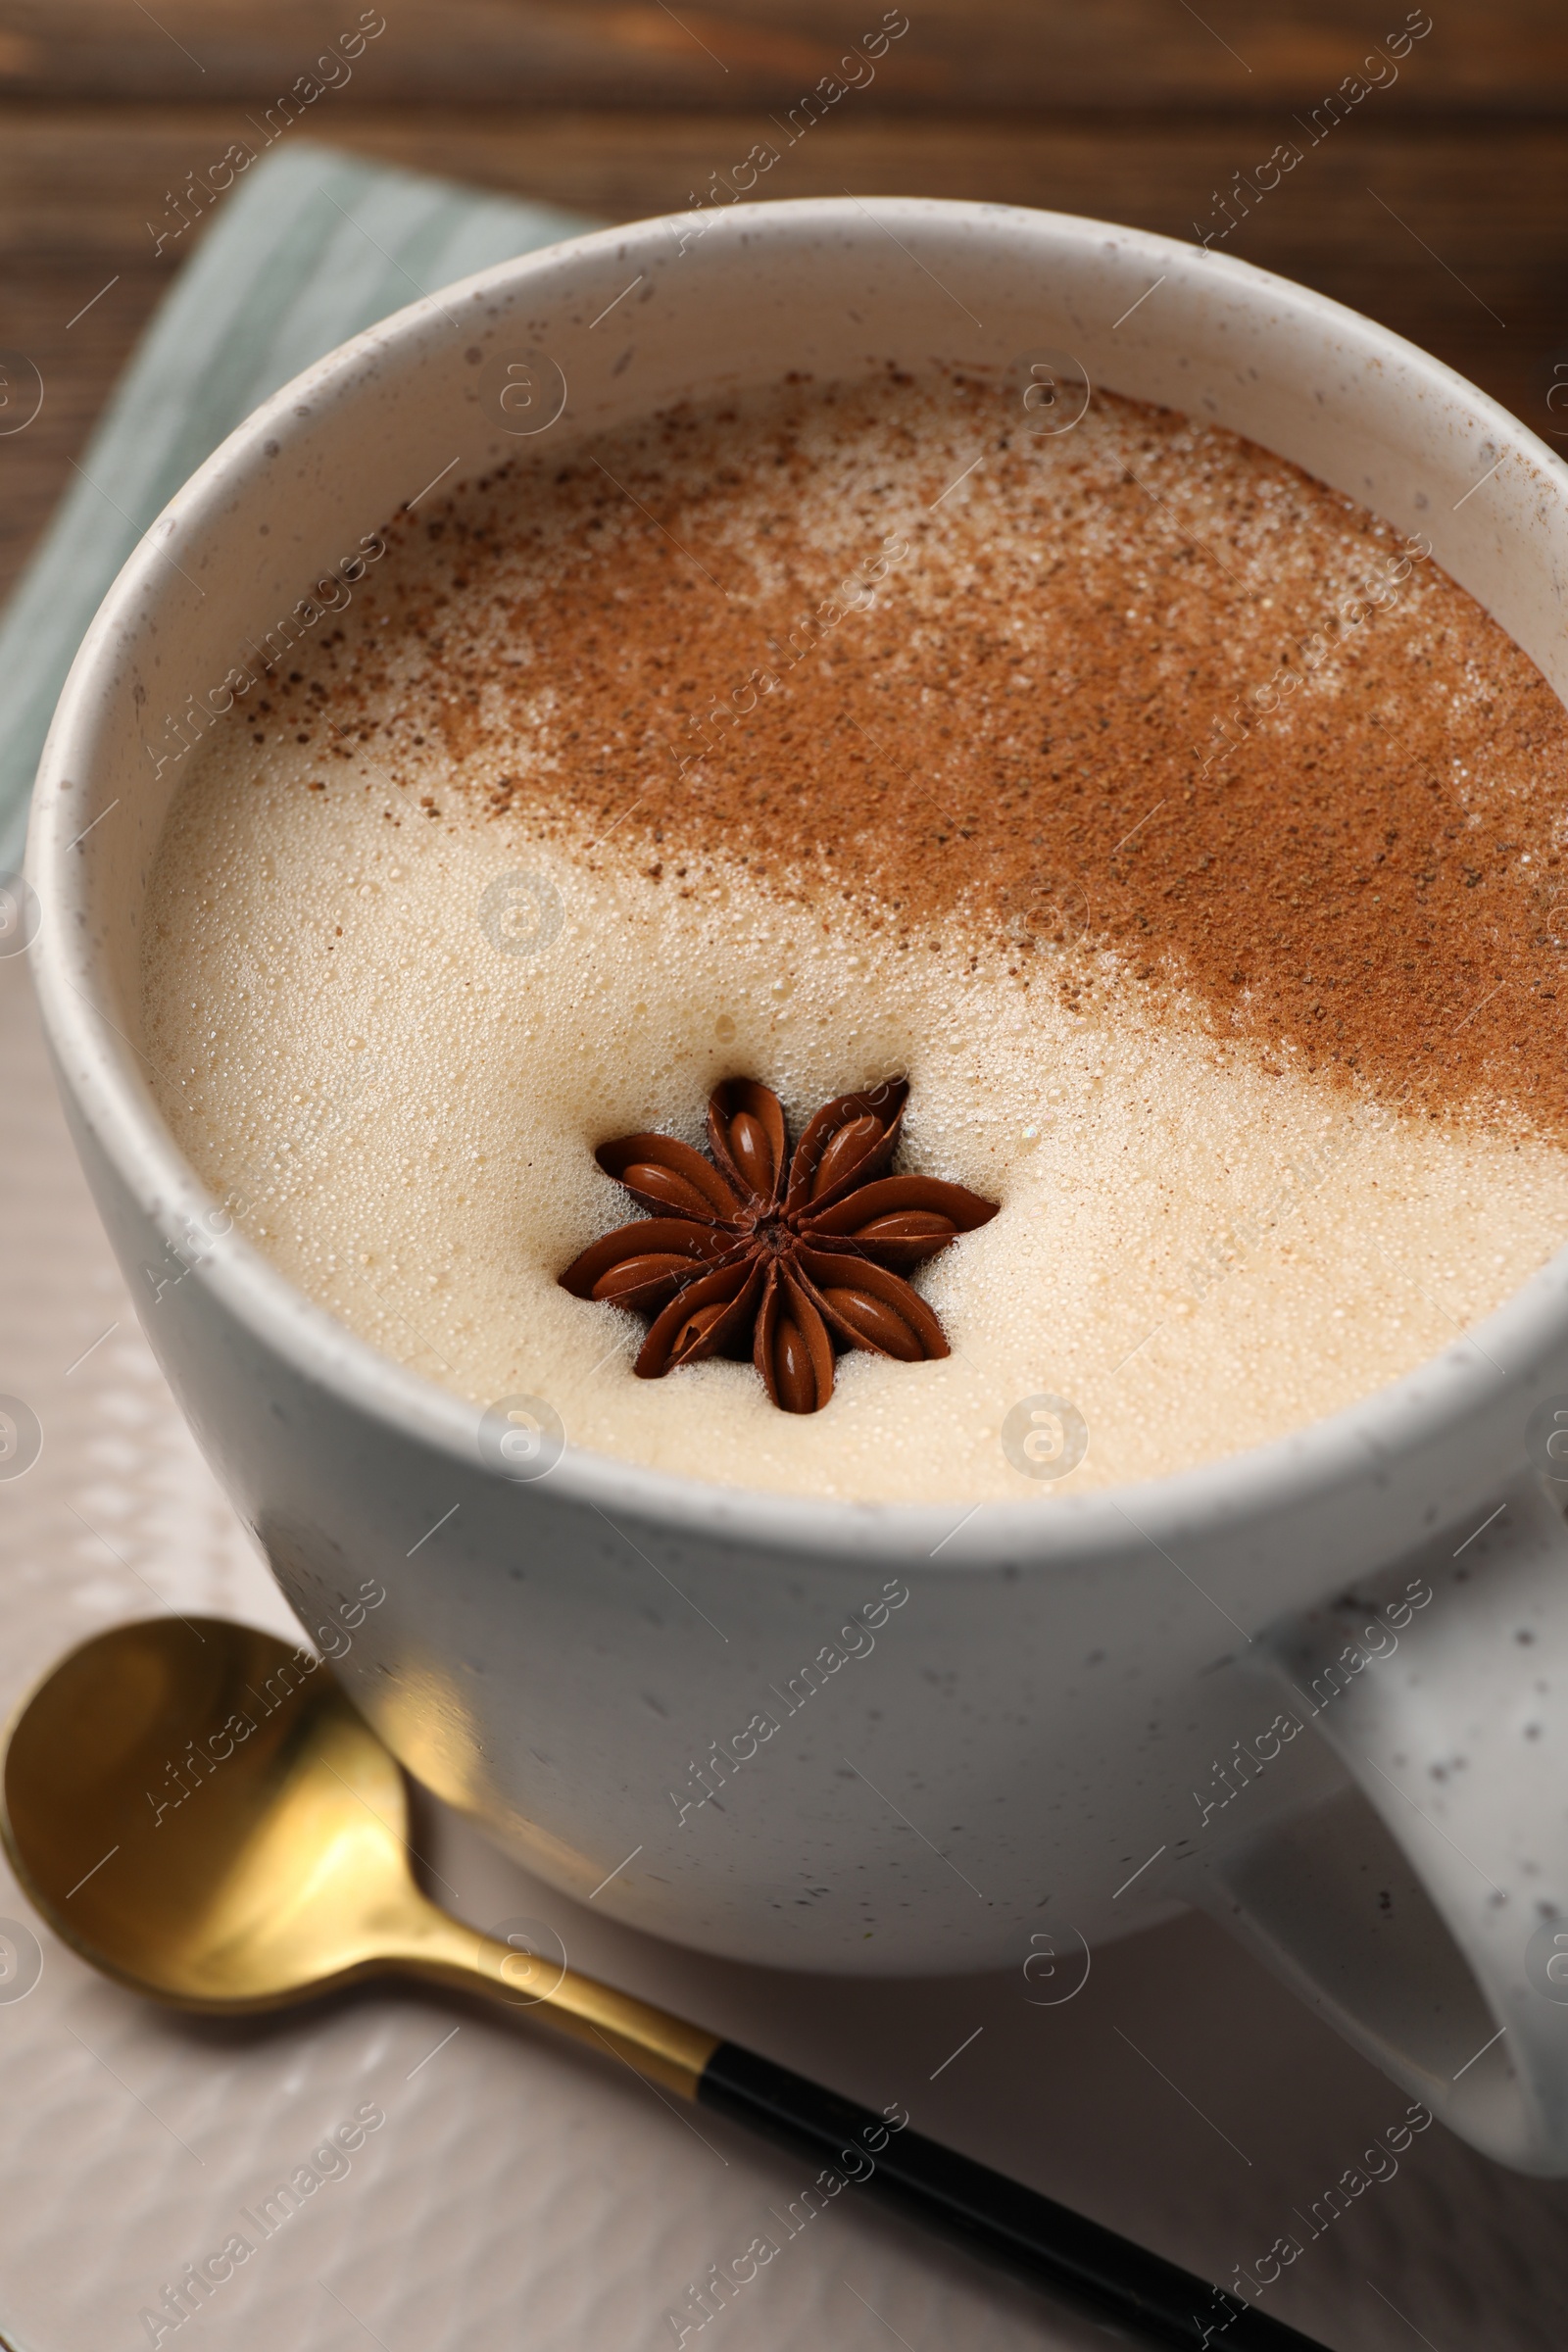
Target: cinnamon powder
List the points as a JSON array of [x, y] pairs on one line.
[[1041, 706]]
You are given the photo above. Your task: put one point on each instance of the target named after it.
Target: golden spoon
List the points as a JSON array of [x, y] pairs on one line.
[[199, 1811]]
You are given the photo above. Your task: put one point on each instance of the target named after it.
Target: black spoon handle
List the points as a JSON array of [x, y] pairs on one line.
[[1105, 2275]]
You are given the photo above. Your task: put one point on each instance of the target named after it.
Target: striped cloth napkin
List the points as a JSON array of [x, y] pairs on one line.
[[311, 247]]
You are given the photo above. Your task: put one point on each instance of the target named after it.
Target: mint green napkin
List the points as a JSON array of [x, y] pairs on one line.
[[311, 247]]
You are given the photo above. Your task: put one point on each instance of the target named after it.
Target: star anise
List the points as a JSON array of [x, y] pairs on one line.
[[787, 1258]]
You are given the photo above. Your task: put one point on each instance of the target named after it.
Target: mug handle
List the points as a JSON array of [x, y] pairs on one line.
[[1423, 1909]]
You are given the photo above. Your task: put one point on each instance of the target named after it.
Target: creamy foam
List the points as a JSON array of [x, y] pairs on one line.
[[393, 1015]]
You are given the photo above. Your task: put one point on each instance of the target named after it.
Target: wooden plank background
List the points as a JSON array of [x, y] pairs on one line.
[[1439, 206]]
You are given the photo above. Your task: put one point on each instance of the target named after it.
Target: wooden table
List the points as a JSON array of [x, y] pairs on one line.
[[1437, 200]]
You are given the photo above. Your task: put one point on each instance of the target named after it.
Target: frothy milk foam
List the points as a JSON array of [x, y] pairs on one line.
[[402, 976]]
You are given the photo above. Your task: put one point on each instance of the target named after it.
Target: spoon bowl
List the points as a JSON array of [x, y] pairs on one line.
[[205, 1817], [198, 1810]]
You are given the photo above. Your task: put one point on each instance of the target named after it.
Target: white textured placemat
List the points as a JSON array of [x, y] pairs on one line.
[[310, 248], [522, 2193]]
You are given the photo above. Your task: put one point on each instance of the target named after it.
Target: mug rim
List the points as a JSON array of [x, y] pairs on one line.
[[95, 1066]]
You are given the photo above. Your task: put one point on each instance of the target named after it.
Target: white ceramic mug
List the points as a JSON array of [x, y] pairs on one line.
[[1297, 1688]]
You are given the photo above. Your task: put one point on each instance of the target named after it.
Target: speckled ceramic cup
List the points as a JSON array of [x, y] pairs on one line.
[[1314, 1689]]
